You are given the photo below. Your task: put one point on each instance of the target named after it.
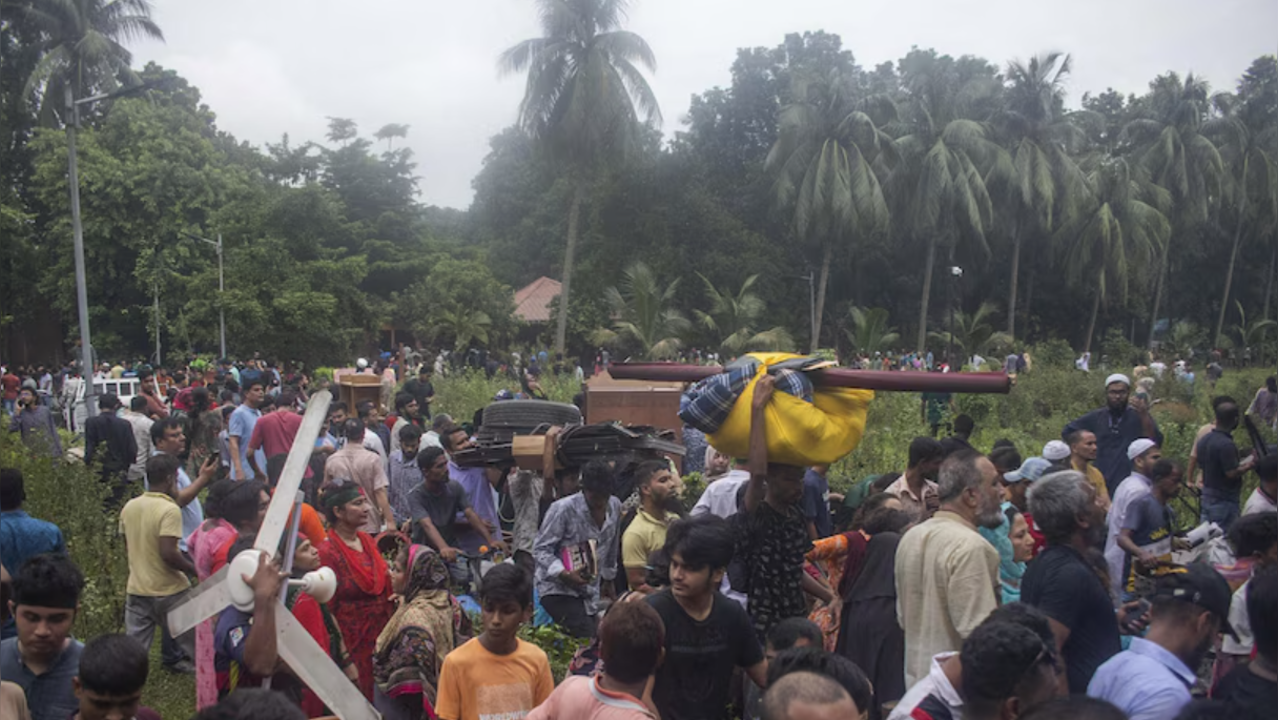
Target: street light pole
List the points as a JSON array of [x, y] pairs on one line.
[[81, 288], [155, 289], [956, 272], [221, 295], [221, 285]]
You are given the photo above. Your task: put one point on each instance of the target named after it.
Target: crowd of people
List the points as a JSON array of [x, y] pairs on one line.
[[970, 584]]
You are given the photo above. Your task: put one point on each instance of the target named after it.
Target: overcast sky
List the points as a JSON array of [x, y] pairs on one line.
[[269, 67]]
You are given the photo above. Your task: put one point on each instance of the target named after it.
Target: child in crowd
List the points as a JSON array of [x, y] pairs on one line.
[[113, 671], [497, 674]]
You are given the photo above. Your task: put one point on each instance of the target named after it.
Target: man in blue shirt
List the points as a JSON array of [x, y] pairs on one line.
[[1222, 471], [816, 502], [1151, 680], [1115, 426], [240, 429], [21, 536], [44, 658]]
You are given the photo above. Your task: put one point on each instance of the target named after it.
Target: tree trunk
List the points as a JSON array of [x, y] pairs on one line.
[[820, 298], [574, 215], [1091, 325], [1016, 268], [1233, 257], [1158, 294], [927, 292], [1029, 294], [1269, 281]]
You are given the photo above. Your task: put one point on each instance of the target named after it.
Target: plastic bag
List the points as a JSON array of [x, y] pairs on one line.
[[799, 432]]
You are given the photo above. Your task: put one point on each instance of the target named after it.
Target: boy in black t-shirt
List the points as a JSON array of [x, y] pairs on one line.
[[707, 635], [771, 531]]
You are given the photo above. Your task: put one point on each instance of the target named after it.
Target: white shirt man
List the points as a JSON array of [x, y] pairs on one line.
[[142, 435]]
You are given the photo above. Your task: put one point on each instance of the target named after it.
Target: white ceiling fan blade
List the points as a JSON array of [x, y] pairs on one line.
[[206, 600], [312, 665], [299, 456]]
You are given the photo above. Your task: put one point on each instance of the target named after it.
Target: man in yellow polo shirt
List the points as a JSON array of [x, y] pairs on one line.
[[1082, 452], [647, 532], [152, 526]]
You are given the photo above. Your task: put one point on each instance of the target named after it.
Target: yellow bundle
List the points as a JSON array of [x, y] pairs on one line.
[[799, 432]]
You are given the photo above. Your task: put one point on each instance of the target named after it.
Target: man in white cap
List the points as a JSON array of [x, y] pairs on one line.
[[1143, 453], [1056, 452], [1116, 426]]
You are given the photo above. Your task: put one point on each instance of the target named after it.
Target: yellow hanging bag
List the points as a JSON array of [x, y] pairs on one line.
[[799, 432]]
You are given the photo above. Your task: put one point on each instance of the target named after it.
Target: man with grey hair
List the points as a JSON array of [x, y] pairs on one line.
[[808, 696], [946, 573], [1061, 581]]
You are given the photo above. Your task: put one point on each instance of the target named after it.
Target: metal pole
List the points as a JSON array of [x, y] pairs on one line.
[[949, 352], [221, 294], [155, 290], [81, 288], [812, 321]]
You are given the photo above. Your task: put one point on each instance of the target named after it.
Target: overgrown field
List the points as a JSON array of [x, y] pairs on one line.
[[1042, 402]]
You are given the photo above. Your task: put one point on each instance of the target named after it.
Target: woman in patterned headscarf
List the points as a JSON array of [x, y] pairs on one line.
[[427, 626]]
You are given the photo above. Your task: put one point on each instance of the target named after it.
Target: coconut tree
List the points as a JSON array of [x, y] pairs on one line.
[[734, 317], [463, 325], [585, 100], [1039, 179], [643, 317], [389, 132], [1246, 137], [974, 333], [937, 184], [870, 331], [1253, 334], [83, 47], [1178, 157], [822, 165], [1120, 232]]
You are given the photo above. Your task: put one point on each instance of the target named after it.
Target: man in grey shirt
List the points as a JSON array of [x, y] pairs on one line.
[[434, 504]]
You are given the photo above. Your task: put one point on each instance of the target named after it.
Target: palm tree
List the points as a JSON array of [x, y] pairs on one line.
[[1247, 140], [1254, 334], [583, 99], [82, 47], [1121, 232], [938, 186], [1177, 156], [1041, 181], [341, 130], [870, 331], [643, 318], [464, 325], [391, 131], [733, 317], [974, 334], [823, 169]]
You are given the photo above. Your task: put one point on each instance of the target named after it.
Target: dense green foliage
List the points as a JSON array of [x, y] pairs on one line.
[[1141, 212]]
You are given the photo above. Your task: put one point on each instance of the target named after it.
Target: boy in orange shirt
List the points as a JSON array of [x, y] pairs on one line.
[[496, 675]]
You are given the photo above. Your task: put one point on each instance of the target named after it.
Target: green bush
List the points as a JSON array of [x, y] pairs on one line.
[[558, 645]]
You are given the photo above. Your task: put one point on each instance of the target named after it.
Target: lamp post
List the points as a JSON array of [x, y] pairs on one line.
[[77, 232], [221, 286], [956, 272]]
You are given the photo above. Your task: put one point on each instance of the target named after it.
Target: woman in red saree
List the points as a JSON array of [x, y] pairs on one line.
[[362, 604]]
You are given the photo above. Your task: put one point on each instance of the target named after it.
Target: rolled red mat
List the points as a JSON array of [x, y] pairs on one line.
[[979, 382]]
